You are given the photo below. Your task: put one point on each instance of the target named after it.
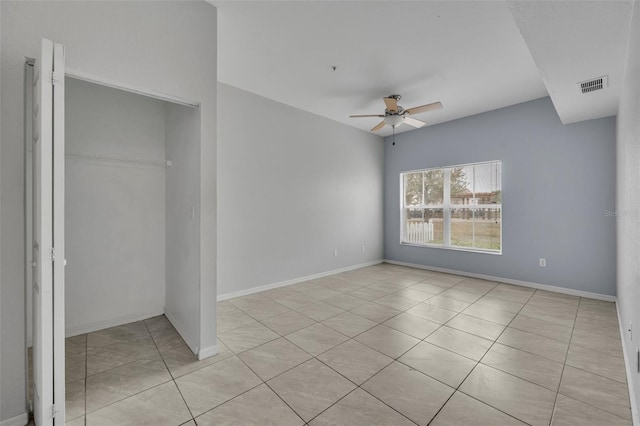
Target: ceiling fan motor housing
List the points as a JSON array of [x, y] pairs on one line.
[[400, 111]]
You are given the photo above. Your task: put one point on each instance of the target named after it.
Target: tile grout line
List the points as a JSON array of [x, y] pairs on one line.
[[420, 341], [130, 396], [538, 334], [106, 346], [173, 379], [359, 387], [263, 382], [312, 357], [133, 394], [285, 402], [589, 372], [86, 372], [564, 364], [457, 389], [592, 373]]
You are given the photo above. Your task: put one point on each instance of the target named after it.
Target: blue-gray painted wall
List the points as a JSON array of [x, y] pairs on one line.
[[558, 182]]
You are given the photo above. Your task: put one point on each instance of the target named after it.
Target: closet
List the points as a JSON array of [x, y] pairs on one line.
[[132, 185]]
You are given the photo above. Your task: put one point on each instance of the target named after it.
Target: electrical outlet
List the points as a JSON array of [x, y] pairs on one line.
[[335, 252], [543, 263]]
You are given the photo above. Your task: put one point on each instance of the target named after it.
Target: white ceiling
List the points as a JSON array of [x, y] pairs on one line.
[[471, 56], [574, 41]]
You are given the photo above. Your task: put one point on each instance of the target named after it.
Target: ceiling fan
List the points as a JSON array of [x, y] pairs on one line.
[[394, 115]]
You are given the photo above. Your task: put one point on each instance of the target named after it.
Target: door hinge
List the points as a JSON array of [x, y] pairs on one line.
[[53, 254], [56, 77], [54, 411]]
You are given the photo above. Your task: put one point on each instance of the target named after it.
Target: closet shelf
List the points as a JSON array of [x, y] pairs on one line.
[[132, 161]]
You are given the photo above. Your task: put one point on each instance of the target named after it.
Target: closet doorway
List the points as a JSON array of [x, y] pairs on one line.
[[132, 197]]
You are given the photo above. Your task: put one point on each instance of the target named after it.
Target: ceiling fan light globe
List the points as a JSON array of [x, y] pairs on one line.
[[394, 120]]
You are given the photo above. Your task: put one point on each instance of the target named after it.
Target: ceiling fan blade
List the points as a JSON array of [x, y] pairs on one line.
[[413, 122], [424, 108], [366, 115], [391, 103], [379, 126]]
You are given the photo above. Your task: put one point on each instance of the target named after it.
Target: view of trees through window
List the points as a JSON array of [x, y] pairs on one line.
[[454, 207]]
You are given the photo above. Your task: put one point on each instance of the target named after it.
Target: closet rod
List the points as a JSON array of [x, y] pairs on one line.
[[114, 159], [118, 160], [97, 157]]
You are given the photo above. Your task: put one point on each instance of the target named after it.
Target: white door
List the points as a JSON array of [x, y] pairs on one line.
[[48, 236]]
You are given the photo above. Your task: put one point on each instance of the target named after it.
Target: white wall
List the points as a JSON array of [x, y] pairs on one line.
[[182, 227], [292, 187], [115, 211], [628, 206], [165, 46]]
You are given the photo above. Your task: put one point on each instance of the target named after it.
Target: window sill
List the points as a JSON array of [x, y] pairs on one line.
[[438, 246]]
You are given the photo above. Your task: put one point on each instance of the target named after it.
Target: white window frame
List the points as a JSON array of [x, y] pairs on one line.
[[446, 207]]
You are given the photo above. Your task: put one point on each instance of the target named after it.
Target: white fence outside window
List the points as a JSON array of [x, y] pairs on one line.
[[418, 232]]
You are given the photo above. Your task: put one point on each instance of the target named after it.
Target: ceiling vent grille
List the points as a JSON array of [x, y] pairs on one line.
[[594, 84]]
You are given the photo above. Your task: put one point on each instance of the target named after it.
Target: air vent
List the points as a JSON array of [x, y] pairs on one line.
[[594, 84]]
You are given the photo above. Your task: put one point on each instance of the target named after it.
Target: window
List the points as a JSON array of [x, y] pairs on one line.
[[457, 207]]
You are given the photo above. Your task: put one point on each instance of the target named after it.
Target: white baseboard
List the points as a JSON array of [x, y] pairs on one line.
[[628, 368], [101, 325], [201, 353], [552, 288], [208, 352], [19, 420], [252, 290], [182, 332]]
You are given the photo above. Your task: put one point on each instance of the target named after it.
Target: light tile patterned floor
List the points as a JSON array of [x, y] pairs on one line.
[[383, 345]]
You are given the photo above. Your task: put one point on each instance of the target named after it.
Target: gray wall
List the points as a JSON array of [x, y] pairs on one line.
[[293, 187], [557, 180], [182, 227], [167, 47], [628, 204], [115, 211]]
